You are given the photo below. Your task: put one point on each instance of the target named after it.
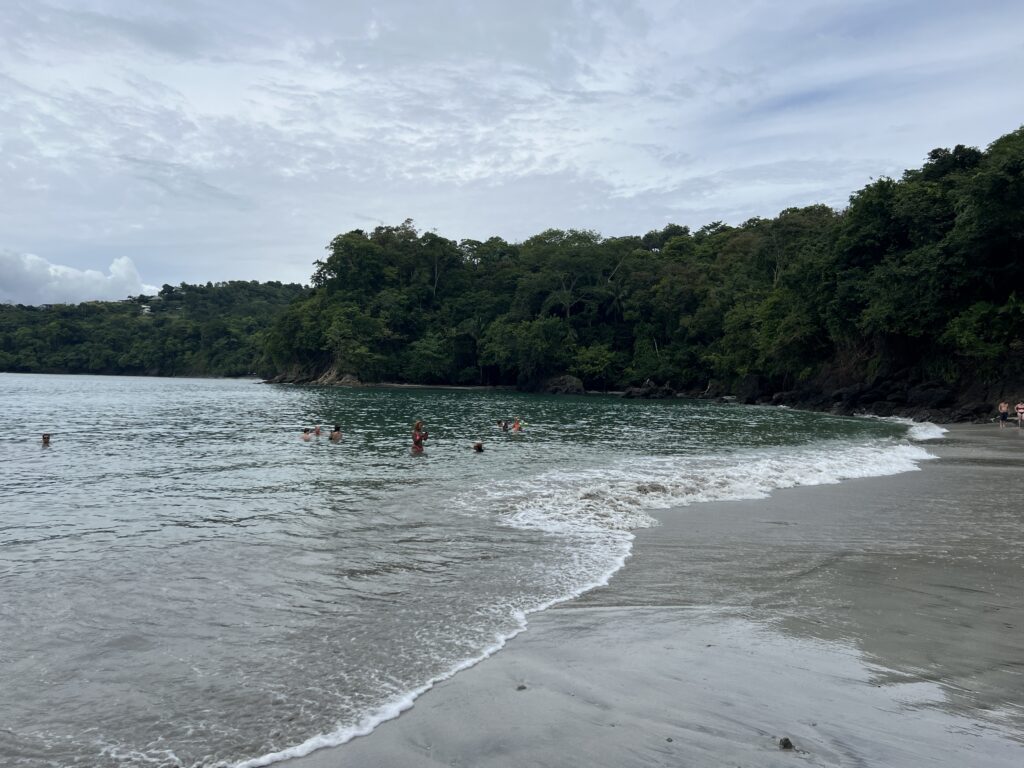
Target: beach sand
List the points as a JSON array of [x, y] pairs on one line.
[[878, 622]]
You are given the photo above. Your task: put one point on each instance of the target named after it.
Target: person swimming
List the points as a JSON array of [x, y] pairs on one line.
[[46, 439], [305, 434], [419, 436], [478, 446], [336, 433], [516, 426], [316, 430]]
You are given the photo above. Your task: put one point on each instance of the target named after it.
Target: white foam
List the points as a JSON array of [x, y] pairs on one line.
[[916, 430], [597, 509], [388, 711], [398, 705], [616, 499]]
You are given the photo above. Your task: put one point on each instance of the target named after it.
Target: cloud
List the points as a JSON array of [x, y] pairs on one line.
[[212, 145], [29, 279]]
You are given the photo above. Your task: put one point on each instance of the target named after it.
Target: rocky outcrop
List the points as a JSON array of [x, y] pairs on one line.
[[563, 385], [650, 391], [328, 378], [905, 393], [333, 378]]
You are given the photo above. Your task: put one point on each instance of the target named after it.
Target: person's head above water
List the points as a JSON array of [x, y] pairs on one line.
[[478, 446], [46, 438], [305, 430]]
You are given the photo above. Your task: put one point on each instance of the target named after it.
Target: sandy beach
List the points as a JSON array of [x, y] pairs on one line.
[[877, 622]]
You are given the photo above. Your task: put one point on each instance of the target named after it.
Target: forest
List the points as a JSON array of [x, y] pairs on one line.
[[186, 330], [907, 297]]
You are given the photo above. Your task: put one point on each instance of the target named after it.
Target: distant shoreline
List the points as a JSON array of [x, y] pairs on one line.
[[977, 413]]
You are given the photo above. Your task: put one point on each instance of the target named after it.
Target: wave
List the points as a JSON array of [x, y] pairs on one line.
[[620, 497], [597, 509], [916, 430]]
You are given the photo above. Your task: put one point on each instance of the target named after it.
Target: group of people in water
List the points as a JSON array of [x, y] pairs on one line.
[[308, 433], [420, 435], [1004, 413]]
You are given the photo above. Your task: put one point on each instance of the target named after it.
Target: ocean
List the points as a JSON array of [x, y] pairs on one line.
[[187, 582]]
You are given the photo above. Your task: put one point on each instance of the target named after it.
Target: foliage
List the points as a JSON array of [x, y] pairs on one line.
[[186, 330], [917, 273]]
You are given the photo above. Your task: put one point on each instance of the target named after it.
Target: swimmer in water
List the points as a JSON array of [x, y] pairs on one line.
[[316, 430], [419, 436], [478, 446], [516, 426], [336, 434], [46, 439], [305, 434]]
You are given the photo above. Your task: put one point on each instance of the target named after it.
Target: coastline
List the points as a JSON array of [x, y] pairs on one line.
[[873, 622]]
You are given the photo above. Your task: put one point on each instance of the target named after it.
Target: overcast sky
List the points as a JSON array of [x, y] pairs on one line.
[[147, 142]]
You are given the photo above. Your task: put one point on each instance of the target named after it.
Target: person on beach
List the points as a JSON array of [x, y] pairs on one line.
[[305, 434], [336, 434], [419, 437], [1019, 408], [1004, 413], [46, 439]]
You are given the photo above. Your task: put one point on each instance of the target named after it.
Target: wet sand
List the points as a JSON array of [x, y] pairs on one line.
[[878, 622]]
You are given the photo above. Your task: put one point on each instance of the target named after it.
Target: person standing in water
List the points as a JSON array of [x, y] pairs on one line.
[[1019, 408], [336, 434], [419, 437], [516, 426], [46, 439], [1004, 413], [305, 434]]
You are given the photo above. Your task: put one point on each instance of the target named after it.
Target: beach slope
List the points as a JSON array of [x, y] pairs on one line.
[[877, 622]]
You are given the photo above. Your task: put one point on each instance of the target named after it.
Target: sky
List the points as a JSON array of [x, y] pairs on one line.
[[144, 143]]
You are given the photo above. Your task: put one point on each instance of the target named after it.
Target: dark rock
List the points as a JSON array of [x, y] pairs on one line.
[[750, 388], [974, 410], [650, 391], [785, 743], [563, 385], [520, 687], [882, 408], [930, 396], [848, 396], [785, 398]]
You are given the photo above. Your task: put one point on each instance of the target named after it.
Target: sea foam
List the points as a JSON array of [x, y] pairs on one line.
[[619, 498], [597, 509]]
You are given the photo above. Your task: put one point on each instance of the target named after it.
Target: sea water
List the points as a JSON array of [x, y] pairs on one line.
[[187, 582]]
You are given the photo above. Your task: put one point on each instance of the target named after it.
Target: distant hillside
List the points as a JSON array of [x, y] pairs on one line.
[[907, 301], [186, 330]]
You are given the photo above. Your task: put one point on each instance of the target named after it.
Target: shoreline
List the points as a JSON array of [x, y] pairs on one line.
[[892, 648]]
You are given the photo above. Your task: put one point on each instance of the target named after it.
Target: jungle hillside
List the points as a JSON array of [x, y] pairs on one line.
[[908, 301]]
